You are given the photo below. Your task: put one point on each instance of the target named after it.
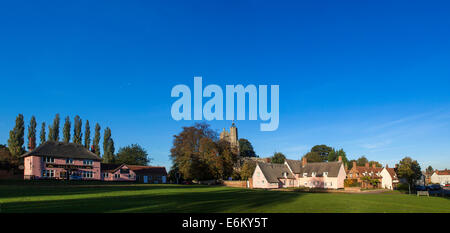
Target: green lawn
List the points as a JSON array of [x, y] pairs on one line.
[[136, 198]]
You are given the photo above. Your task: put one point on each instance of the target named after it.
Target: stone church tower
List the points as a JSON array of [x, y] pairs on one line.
[[231, 137]]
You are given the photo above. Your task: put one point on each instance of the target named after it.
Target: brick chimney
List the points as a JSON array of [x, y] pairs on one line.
[[340, 159], [367, 165], [374, 165], [354, 164], [304, 162], [396, 166], [386, 166]]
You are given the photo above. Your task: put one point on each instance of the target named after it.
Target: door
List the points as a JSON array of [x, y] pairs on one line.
[[145, 179]]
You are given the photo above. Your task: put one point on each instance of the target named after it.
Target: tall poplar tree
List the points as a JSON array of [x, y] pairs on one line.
[[43, 133], [16, 138], [32, 134], [87, 135], [54, 132], [108, 146], [77, 133], [66, 130], [96, 142]]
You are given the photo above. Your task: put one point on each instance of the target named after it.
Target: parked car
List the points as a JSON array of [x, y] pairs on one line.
[[434, 187], [75, 177], [447, 185]]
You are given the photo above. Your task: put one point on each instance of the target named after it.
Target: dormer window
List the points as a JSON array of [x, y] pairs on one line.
[[313, 174], [69, 161], [48, 159], [285, 174], [305, 174], [325, 174]]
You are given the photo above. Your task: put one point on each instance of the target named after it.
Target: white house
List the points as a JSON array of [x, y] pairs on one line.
[[389, 178], [441, 177]]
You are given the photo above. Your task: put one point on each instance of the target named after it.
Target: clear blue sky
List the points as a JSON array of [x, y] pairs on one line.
[[372, 78]]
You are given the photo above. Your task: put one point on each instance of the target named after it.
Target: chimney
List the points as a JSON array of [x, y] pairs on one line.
[[304, 162], [374, 165], [340, 158], [367, 165], [354, 164], [386, 166], [396, 166]]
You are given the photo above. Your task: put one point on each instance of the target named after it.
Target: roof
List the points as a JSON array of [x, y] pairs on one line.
[[443, 172], [147, 170], [362, 169], [391, 172], [273, 172], [318, 168], [62, 150], [108, 167]]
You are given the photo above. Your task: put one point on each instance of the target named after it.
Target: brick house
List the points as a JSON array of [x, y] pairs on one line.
[[69, 161], [360, 172]]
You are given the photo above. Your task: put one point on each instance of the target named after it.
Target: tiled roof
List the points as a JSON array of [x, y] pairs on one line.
[[273, 172], [443, 172], [62, 150], [148, 170], [318, 168], [107, 167], [392, 173]]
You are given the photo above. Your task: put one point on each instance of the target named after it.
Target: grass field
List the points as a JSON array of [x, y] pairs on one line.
[[136, 198]]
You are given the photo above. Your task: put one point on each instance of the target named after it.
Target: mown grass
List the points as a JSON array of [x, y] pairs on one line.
[[139, 198]]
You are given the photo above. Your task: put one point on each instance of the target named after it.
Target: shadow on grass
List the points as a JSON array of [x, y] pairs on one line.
[[213, 200]]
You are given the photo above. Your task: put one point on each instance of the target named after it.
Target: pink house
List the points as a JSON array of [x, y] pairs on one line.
[[59, 160], [294, 173], [142, 174]]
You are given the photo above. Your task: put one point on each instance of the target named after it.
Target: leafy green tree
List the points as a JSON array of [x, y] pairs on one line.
[[409, 170], [334, 155], [16, 138], [32, 134], [200, 155], [5, 155], [43, 133], [133, 154], [87, 135], [54, 130], [361, 161], [66, 130], [429, 170], [377, 164], [278, 158], [77, 132], [323, 151], [350, 164], [247, 170], [96, 142], [246, 148]]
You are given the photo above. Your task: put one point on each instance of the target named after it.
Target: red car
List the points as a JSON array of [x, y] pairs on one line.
[[447, 185]]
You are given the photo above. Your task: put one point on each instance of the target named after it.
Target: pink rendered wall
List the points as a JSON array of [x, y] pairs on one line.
[[123, 177], [34, 167]]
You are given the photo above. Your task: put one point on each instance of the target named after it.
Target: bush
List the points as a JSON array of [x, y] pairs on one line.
[[403, 187], [351, 183]]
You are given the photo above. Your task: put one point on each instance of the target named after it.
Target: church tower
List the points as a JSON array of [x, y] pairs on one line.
[[231, 137]]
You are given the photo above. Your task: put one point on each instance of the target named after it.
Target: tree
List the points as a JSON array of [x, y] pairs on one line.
[[200, 155], [96, 142], [5, 155], [323, 151], [53, 133], [133, 154], [246, 148], [335, 154], [66, 130], [87, 135], [278, 158], [77, 132], [43, 133], [32, 134], [350, 164], [108, 147], [361, 161], [429, 170], [377, 164], [247, 170], [409, 170], [16, 138], [313, 157]]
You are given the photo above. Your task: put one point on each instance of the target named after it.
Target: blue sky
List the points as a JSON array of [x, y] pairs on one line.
[[372, 78]]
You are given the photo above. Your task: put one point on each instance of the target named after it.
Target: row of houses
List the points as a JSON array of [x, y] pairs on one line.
[[327, 175], [69, 161]]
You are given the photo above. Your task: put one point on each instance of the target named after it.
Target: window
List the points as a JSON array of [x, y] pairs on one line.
[[305, 174], [87, 162], [313, 174], [325, 173], [69, 161], [48, 159], [285, 174], [116, 176], [88, 174], [105, 175], [351, 175], [48, 173], [124, 171]]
